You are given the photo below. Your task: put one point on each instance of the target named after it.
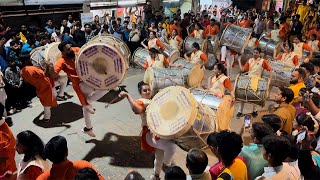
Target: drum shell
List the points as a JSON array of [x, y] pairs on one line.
[[187, 44], [169, 52], [314, 54], [37, 57], [52, 54], [244, 93], [269, 46], [213, 44], [281, 74], [140, 56], [235, 37], [194, 71]]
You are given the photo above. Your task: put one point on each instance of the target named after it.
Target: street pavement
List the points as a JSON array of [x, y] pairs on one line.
[[116, 149]]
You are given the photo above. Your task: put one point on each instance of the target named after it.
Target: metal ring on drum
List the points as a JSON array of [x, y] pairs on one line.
[[235, 37], [140, 56], [281, 74], [244, 93], [116, 42], [169, 52], [194, 71], [269, 46], [101, 65], [52, 54], [175, 114]]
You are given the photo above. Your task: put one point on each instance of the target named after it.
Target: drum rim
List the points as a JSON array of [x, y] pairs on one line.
[[125, 67], [46, 53], [133, 56]]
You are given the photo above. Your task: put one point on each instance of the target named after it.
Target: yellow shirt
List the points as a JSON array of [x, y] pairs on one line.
[[239, 170], [296, 88], [302, 11], [287, 113]]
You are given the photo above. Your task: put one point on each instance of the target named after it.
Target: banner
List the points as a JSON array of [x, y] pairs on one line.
[[86, 18], [52, 2], [205, 4]]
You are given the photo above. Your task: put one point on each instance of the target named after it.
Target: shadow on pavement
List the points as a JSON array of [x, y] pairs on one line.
[[113, 96], [61, 115], [124, 151]]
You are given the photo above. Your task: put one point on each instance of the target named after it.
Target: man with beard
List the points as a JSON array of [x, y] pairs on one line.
[[297, 82], [78, 35], [285, 111], [85, 93]]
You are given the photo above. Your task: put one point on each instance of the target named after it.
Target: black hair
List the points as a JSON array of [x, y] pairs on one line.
[[62, 45], [33, 143], [301, 72], [314, 35], [212, 139], [315, 62], [261, 130], [87, 24], [30, 36], [196, 45], [294, 149], [56, 149], [308, 66], [12, 43], [273, 121], [127, 22], [86, 174], [119, 19], [258, 49], [196, 161], [140, 85], [154, 50], [134, 175], [278, 147], [221, 68], [305, 120], [199, 25], [175, 173], [152, 32], [24, 58], [43, 36], [287, 93], [66, 30]]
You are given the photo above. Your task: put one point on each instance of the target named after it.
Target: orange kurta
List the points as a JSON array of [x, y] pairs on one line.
[[284, 30], [314, 31], [211, 30], [172, 27], [66, 170], [68, 66], [7, 149], [42, 83], [245, 23]]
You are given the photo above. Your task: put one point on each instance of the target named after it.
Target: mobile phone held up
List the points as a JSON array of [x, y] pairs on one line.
[[247, 121], [301, 136]]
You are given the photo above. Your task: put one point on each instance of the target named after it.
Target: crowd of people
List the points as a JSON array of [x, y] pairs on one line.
[[285, 143]]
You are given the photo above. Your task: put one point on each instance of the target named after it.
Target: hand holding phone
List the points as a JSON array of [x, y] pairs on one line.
[[301, 136], [247, 121]]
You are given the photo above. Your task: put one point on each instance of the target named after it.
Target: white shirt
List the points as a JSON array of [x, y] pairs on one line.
[[284, 172]]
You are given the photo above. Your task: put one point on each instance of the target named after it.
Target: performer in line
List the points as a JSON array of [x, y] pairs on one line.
[[314, 43], [164, 149], [85, 93], [197, 56], [197, 32], [175, 40], [153, 42], [227, 57], [219, 82], [43, 84], [289, 57], [254, 66], [155, 59], [299, 47]]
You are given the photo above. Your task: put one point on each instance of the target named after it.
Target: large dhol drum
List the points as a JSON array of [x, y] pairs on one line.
[[244, 92], [281, 74], [175, 114], [169, 52], [187, 44], [223, 107], [269, 46], [235, 37], [190, 76], [37, 57], [116, 42], [211, 45], [101, 65], [140, 56]]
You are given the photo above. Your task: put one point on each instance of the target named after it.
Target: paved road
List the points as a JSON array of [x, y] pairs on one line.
[[116, 149]]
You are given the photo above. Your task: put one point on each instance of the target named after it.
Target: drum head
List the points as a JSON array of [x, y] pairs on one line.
[[196, 76], [139, 56], [175, 54], [100, 65], [37, 56], [172, 112], [224, 113], [147, 75], [52, 52]]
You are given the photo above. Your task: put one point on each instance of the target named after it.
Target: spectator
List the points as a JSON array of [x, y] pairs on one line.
[[87, 174], [34, 161], [56, 36], [258, 27], [30, 44], [63, 25], [70, 21], [49, 28], [14, 36], [134, 38], [14, 52], [89, 34], [308, 67], [273, 121], [125, 31], [78, 35], [197, 162], [23, 33], [175, 173], [134, 175], [148, 11], [3, 54], [297, 82], [56, 150], [67, 38], [252, 154]]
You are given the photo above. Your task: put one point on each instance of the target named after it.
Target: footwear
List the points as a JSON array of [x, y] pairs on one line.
[[255, 114], [61, 98], [13, 110], [44, 120], [68, 96], [90, 109], [164, 167], [9, 121], [154, 177], [88, 131], [239, 114]]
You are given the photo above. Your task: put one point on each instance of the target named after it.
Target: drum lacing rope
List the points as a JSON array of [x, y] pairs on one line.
[[206, 114]]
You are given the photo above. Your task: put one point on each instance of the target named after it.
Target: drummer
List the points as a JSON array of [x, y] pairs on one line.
[[211, 30], [155, 59], [175, 40], [219, 82], [164, 149], [289, 57], [300, 46], [197, 56], [254, 67], [153, 42], [197, 32], [274, 34]]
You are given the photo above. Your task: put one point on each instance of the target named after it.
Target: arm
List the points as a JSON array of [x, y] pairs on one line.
[[142, 43], [267, 67], [136, 108], [160, 44], [209, 81], [308, 48]]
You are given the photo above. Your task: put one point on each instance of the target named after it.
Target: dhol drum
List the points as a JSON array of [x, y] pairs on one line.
[[187, 44], [314, 54], [175, 114], [212, 44], [101, 65], [140, 56], [116, 42], [190, 76], [281, 74], [169, 52], [244, 92], [269, 46], [235, 37], [37, 57], [223, 107]]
